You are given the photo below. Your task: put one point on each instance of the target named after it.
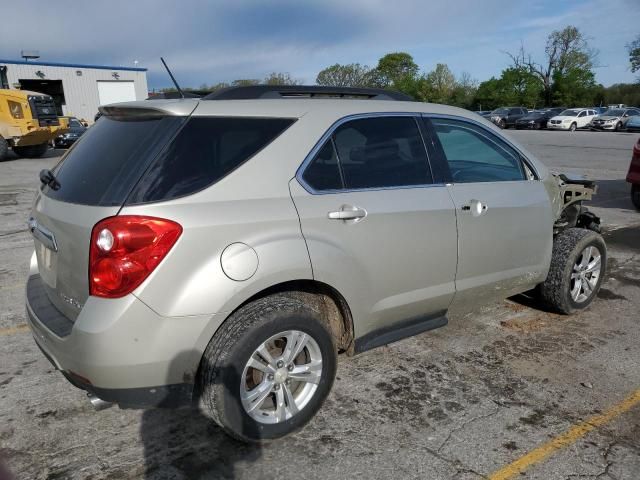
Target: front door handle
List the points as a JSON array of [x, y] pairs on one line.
[[476, 207], [348, 212]]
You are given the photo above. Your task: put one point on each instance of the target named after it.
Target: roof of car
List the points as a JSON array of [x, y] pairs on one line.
[[288, 107]]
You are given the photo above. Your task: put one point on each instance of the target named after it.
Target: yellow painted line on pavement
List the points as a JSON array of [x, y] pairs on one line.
[[5, 332], [571, 436]]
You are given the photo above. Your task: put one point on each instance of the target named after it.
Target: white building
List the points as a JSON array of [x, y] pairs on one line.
[[78, 90]]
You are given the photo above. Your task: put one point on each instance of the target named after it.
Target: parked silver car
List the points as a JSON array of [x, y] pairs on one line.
[[225, 250], [613, 119]]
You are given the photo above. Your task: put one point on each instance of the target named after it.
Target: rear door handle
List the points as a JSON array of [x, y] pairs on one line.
[[476, 207], [348, 212]]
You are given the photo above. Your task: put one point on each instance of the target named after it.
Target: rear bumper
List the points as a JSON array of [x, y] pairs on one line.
[[119, 349]]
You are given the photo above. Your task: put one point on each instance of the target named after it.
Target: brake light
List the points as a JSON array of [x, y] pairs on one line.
[[125, 250]]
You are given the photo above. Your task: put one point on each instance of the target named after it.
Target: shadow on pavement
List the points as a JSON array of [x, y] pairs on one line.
[[51, 153], [185, 444], [612, 194], [5, 474]]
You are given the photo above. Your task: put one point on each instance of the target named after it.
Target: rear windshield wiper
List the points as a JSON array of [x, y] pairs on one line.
[[48, 178]]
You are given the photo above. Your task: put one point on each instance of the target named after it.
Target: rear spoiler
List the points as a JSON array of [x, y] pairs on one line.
[[135, 112]]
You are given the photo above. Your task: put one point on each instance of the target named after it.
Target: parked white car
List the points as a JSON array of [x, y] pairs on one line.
[[572, 119]]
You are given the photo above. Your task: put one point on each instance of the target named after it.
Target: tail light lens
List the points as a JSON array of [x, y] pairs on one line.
[[125, 250]]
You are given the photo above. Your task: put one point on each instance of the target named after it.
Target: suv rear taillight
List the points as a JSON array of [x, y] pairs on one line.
[[125, 250]]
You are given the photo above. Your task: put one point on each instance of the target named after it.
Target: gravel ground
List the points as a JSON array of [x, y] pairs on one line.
[[460, 402]]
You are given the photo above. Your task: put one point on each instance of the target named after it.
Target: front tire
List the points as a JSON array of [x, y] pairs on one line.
[[4, 149], [635, 195], [578, 265], [267, 370], [31, 151], [619, 127], [573, 127]]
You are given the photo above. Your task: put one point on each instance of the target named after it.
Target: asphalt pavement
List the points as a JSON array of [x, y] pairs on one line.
[[507, 391]]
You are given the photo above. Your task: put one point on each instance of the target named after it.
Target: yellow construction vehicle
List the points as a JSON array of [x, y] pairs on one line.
[[28, 123]]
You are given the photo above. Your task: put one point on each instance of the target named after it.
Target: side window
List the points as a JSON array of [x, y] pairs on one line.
[[476, 155], [323, 173], [205, 151], [581, 114], [382, 152]]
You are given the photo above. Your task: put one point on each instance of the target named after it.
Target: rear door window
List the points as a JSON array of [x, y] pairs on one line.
[[382, 152], [323, 173]]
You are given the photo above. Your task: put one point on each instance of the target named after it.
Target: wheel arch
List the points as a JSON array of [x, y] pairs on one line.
[[325, 299]]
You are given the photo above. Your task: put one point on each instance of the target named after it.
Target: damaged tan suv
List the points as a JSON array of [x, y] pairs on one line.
[[225, 250]]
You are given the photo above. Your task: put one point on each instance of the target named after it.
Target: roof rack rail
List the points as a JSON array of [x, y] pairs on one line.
[[304, 91], [172, 95]]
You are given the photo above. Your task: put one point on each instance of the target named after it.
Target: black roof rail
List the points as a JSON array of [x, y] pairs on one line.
[[253, 92], [172, 95]]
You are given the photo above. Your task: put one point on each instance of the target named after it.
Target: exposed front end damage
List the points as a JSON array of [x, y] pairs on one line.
[[572, 192]]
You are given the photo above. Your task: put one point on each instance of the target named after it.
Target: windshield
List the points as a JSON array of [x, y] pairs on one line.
[[570, 113], [613, 113], [500, 111], [536, 114]]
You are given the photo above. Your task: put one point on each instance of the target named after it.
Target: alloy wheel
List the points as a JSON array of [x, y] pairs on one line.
[[585, 274], [281, 377]]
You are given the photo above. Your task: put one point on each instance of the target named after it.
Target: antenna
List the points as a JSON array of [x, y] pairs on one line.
[[172, 78]]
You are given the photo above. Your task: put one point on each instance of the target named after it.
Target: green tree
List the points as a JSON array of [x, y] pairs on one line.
[[275, 78], [438, 85], [567, 50], [520, 87], [488, 95], [575, 87], [515, 87], [464, 92], [396, 70], [350, 75], [627, 93], [245, 82], [634, 54]]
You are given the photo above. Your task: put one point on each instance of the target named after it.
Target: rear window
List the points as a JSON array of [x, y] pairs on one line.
[[122, 160], [105, 164]]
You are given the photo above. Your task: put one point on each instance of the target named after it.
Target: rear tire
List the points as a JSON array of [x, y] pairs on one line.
[[4, 149], [227, 378], [573, 127], [635, 196], [31, 151], [578, 265]]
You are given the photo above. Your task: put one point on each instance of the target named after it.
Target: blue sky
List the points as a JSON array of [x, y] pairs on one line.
[[209, 42]]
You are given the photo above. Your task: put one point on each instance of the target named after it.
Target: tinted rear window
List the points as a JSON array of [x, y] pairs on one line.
[[205, 150], [108, 160], [136, 161]]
